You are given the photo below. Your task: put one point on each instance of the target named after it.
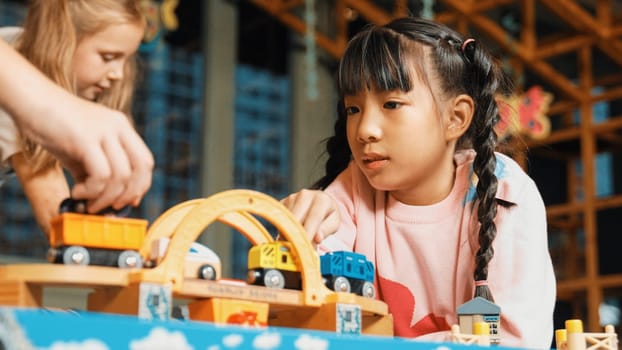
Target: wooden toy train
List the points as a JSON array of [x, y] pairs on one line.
[[77, 238], [274, 265]]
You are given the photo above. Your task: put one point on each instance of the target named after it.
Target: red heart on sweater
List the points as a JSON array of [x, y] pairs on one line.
[[402, 305]]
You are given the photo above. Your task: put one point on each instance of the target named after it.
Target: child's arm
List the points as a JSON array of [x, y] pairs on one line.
[[521, 273], [44, 189]]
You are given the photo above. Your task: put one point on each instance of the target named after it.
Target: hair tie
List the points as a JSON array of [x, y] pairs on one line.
[[481, 283], [465, 43]]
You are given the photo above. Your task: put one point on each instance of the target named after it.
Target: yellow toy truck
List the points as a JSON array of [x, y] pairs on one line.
[[273, 265]]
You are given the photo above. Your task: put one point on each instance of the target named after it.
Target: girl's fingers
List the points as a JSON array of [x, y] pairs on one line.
[[329, 226], [316, 211]]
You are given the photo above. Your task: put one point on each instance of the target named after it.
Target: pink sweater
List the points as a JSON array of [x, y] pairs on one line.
[[424, 255]]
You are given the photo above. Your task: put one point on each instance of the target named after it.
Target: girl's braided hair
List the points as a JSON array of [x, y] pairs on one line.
[[380, 57]]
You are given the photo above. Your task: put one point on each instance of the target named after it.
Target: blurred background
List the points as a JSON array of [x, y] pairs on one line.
[[240, 94]]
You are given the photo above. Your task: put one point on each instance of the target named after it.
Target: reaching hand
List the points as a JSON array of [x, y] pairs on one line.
[[110, 163], [108, 160], [316, 211]]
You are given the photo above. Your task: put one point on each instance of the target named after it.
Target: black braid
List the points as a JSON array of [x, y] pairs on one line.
[[482, 80], [338, 151], [484, 167]]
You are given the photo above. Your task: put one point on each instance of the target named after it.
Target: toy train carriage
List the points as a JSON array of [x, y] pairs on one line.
[[348, 272], [201, 262], [83, 239], [274, 265]]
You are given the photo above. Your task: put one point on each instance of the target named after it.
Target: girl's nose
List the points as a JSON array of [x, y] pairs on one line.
[[369, 129], [116, 73]]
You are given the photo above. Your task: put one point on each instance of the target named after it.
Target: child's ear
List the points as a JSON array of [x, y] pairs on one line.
[[460, 115]]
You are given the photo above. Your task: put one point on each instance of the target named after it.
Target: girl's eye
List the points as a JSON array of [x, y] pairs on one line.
[[392, 105], [107, 57], [351, 110]]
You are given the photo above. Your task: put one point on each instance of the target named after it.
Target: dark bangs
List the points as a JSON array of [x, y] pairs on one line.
[[375, 59]]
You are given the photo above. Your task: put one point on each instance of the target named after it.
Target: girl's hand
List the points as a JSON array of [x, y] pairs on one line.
[[316, 211]]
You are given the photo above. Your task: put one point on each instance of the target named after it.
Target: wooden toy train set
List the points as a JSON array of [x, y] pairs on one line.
[[139, 270]]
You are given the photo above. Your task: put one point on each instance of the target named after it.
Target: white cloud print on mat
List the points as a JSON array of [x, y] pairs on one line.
[[89, 344], [161, 339], [307, 342], [232, 340], [267, 341]]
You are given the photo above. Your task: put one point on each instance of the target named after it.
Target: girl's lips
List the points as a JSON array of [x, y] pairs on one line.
[[97, 91], [375, 163]]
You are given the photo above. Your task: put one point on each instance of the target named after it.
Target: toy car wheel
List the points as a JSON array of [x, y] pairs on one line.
[[130, 259], [341, 284], [76, 255], [368, 290], [207, 272], [274, 279]]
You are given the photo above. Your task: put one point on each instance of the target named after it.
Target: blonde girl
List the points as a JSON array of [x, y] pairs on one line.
[[88, 48]]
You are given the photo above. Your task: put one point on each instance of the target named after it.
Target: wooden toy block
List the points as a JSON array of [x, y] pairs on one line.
[[230, 311], [561, 339], [607, 340], [480, 310], [480, 336], [145, 300], [573, 337], [337, 317], [377, 324]]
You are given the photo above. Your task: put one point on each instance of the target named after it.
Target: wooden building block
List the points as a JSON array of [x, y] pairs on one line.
[[230, 311]]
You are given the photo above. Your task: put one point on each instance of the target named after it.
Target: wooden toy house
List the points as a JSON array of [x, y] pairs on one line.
[[480, 310]]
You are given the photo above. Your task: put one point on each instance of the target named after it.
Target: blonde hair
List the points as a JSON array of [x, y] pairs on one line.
[[52, 31]]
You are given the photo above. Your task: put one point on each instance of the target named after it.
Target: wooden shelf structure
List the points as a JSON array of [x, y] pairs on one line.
[[569, 47]]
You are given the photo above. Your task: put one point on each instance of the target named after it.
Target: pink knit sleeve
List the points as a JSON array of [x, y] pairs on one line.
[[521, 274]]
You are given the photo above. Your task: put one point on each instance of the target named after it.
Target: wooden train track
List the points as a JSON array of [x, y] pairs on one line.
[[118, 290]]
